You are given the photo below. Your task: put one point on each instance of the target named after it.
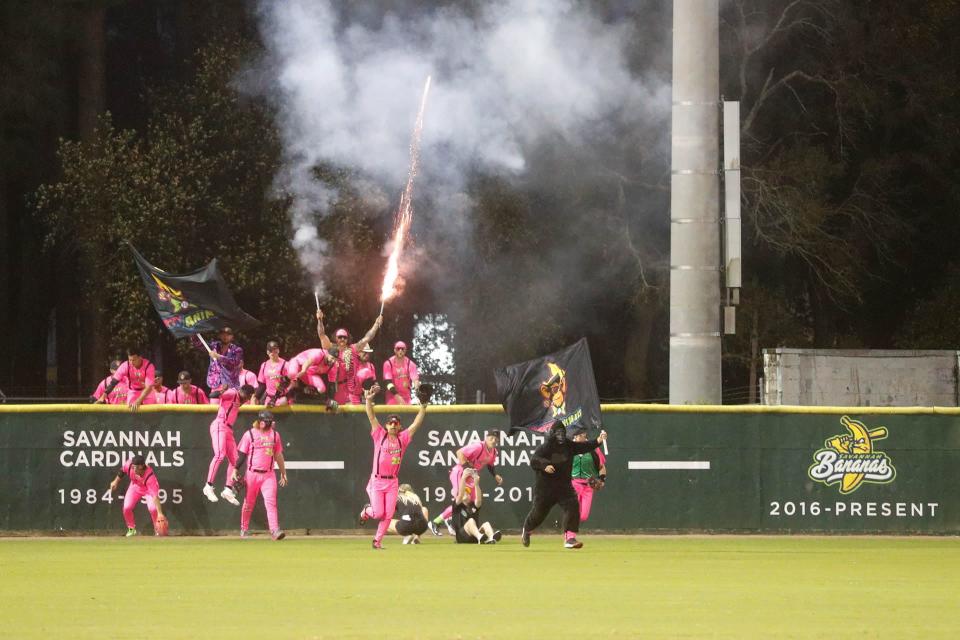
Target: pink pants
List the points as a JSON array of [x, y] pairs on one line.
[[455, 474], [316, 381], [342, 396], [257, 483], [383, 502], [584, 497], [134, 493], [221, 437]]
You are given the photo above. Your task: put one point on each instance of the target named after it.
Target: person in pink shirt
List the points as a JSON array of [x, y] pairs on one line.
[[264, 446], [271, 386], [249, 378], [389, 445], [137, 372], [224, 444], [186, 392], [119, 393], [158, 392], [475, 456], [143, 482], [589, 473], [366, 376], [307, 369], [401, 375], [345, 373]]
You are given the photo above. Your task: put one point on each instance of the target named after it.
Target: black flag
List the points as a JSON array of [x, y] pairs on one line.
[[194, 302], [560, 386]]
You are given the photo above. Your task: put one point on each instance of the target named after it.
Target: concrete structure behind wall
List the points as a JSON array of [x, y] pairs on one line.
[[860, 378]]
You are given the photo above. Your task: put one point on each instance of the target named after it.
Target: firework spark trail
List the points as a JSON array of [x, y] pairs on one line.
[[404, 217]]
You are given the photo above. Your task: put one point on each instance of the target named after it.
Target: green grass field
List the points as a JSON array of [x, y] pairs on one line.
[[615, 587]]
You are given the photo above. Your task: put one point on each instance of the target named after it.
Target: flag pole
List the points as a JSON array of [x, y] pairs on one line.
[[205, 345]]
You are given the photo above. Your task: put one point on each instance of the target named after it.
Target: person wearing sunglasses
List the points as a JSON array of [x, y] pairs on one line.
[[401, 375]]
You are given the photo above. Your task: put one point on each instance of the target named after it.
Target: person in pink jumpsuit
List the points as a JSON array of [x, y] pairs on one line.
[[224, 444], [389, 445], [263, 445], [589, 474], [143, 482], [401, 375], [119, 393], [137, 372], [186, 392], [348, 357], [158, 393], [271, 389], [476, 456]]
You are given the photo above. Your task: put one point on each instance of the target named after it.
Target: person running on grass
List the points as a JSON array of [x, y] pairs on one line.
[[466, 512], [264, 446], [389, 445], [143, 482], [553, 463]]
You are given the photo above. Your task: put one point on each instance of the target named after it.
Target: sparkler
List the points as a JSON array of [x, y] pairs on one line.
[[404, 217], [316, 296]]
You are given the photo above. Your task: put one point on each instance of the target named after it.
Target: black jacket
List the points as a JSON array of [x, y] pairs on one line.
[[561, 457]]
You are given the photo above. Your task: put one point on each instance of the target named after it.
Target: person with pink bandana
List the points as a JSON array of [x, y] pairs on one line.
[[401, 375], [345, 372], [389, 445], [264, 446]]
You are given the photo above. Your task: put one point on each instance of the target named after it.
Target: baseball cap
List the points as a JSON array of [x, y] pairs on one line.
[[342, 333], [139, 460], [226, 330], [273, 344], [495, 432], [114, 365], [183, 376], [399, 344], [266, 416], [393, 418]]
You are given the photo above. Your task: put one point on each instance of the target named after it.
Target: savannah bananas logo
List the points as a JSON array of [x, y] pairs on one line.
[[554, 391], [851, 458]]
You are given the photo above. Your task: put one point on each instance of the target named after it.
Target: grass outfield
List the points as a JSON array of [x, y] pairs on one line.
[[615, 587]]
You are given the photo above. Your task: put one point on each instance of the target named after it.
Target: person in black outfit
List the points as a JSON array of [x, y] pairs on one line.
[[410, 518], [553, 463], [466, 513]]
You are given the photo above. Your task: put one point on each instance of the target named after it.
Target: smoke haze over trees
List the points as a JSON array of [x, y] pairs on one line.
[[273, 136]]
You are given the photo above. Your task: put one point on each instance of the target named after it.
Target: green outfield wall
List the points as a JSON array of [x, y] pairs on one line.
[[688, 469]]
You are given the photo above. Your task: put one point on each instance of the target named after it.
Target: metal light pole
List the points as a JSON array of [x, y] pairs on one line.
[[695, 205]]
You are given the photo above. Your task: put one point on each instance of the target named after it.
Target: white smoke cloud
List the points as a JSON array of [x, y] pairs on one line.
[[510, 72]]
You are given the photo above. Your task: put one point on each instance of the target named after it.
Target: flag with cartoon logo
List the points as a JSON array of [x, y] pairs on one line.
[[559, 386], [194, 302]]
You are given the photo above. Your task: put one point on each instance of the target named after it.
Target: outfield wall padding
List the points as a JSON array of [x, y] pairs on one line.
[[688, 469]]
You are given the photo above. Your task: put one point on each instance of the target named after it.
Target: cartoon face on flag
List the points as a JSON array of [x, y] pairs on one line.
[[557, 387], [194, 302]]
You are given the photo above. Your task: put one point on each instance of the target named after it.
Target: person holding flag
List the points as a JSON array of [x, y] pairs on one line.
[[475, 456], [224, 444], [389, 445], [264, 446], [143, 482], [226, 361], [589, 473]]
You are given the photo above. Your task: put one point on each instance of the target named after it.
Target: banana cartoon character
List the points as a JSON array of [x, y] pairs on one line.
[[859, 441]]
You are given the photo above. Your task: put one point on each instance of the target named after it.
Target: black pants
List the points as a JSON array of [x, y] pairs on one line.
[[543, 500]]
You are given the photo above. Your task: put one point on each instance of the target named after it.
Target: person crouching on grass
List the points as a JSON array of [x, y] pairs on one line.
[[143, 482], [263, 445], [410, 518], [389, 445], [466, 512]]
